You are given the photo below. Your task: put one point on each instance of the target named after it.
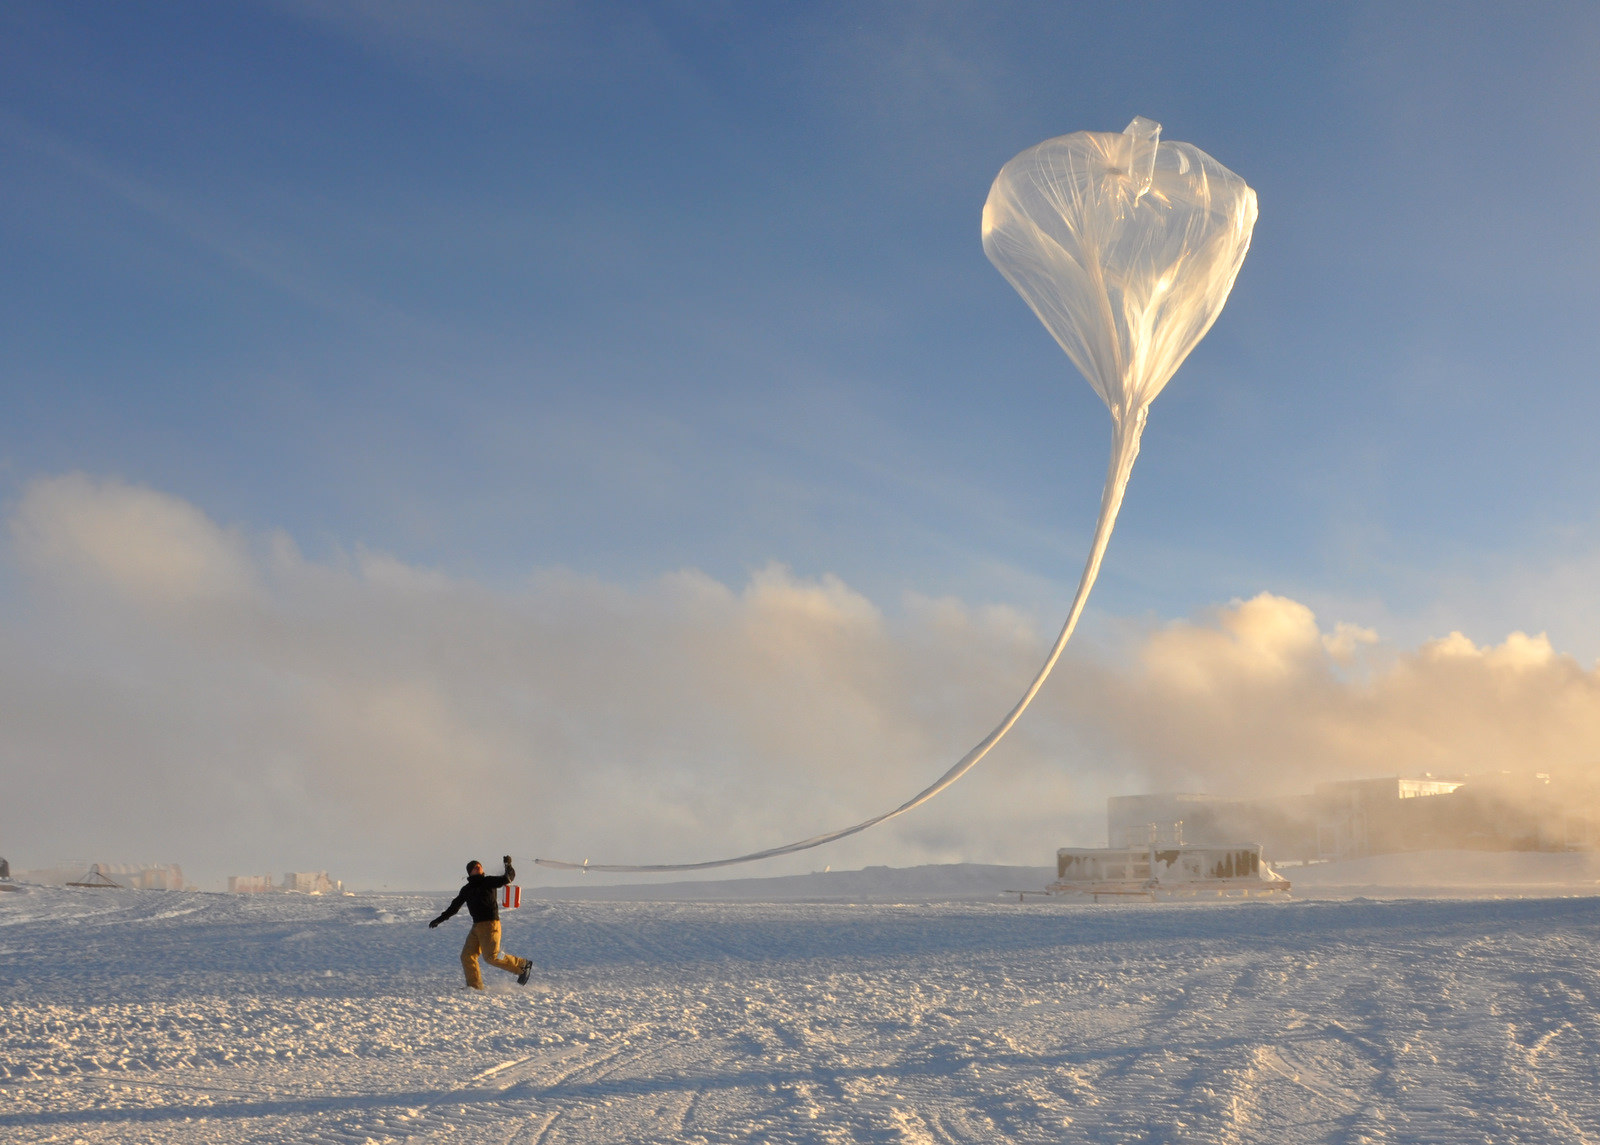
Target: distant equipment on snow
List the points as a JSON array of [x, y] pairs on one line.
[[96, 878], [294, 882], [1165, 870]]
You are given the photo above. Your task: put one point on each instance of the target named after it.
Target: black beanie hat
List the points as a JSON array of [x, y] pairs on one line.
[[473, 863]]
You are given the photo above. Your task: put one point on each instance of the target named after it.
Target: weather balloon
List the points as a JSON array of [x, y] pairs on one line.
[[1126, 248]]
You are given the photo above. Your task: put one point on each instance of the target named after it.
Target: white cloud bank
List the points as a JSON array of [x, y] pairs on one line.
[[1258, 697], [180, 690]]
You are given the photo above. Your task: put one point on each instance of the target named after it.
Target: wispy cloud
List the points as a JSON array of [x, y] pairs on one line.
[[264, 255], [514, 45]]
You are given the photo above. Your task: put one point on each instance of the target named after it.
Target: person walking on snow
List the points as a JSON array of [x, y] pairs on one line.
[[484, 938]]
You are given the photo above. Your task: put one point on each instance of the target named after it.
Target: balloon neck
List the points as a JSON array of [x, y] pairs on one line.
[[1128, 422], [1140, 140], [1127, 427]]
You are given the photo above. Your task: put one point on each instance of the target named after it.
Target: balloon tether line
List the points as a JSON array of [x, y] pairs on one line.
[[1126, 428]]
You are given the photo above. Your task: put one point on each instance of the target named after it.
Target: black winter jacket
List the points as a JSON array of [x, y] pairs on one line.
[[479, 897]]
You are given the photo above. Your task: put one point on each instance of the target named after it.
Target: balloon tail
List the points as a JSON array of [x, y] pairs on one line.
[[1127, 427]]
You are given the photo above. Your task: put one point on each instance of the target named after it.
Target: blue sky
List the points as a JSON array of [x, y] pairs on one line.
[[501, 293]]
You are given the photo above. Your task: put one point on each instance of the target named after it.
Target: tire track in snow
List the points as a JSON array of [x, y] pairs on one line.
[[1290, 1078], [965, 1134], [534, 1133], [1556, 1007], [542, 1088]]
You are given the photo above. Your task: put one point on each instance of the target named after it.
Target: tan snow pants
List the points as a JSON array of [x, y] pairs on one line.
[[484, 938]]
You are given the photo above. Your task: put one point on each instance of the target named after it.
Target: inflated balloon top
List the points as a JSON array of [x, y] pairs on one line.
[[1126, 248]]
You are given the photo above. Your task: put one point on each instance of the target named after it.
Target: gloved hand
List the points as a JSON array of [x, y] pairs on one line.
[[507, 859], [433, 924]]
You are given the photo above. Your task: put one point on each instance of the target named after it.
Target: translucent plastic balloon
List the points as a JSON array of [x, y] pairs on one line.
[[1126, 249]]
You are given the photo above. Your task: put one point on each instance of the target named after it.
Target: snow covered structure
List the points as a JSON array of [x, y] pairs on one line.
[[311, 883], [1507, 810], [147, 876], [1357, 817], [1166, 870], [82, 872], [297, 882], [1354, 818]]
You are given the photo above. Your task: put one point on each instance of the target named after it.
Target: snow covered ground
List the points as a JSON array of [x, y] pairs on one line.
[[165, 1017]]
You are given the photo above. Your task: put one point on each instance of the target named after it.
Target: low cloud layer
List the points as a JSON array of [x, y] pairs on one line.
[[174, 689], [1258, 697]]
